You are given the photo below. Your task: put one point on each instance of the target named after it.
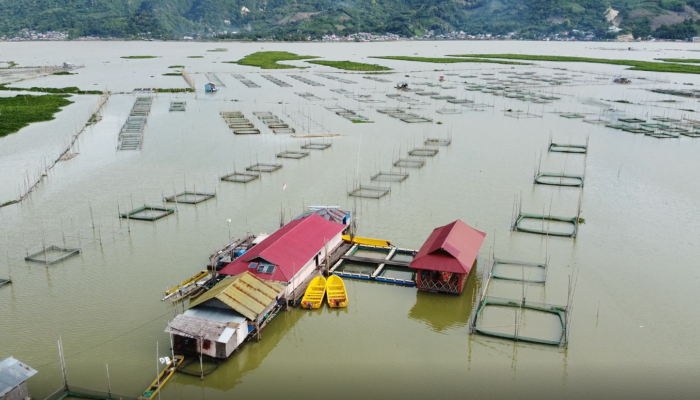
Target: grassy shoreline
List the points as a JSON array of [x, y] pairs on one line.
[[634, 65], [24, 109], [445, 60], [137, 57], [269, 59], [65, 90], [350, 65]]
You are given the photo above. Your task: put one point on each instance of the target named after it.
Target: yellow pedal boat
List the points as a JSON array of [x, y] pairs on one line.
[[337, 295], [313, 297]]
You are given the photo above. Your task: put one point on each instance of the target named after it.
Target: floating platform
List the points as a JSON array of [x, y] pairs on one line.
[[381, 262], [316, 146], [148, 213], [263, 167], [568, 148], [52, 255], [423, 152], [188, 197], [370, 192], [388, 176], [241, 177], [409, 163], [292, 154], [631, 120], [178, 105], [559, 179]]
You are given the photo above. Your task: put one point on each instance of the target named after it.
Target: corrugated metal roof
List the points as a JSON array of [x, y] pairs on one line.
[[450, 248], [330, 213], [12, 373], [245, 293], [289, 248], [196, 328]]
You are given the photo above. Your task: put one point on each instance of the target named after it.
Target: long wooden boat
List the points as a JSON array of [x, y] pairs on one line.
[[198, 276], [165, 375], [337, 295], [313, 297]]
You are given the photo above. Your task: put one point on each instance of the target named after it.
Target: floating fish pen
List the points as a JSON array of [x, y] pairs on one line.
[[423, 152], [349, 114], [388, 176], [437, 142], [307, 81], [335, 78], [422, 93], [468, 76], [239, 124], [177, 105], [550, 98], [383, 263], [292, 154], [442, 97], [131, 134], [341, 91], [682, 93], [460, 101], [400, 97], [520, 309], [571, 115], [448, 111], [631, 120], [662, 135], [521, 114], [635, 129], [241, 177], [546, 225], [568, 148], [402, 115], [273, 122], [189, 197], [148, 213], [264, 167], [559, 179], [374, 78], [276, 81], [598, 121], [655, 125], [370, 192], [665, 119], [309, 96], [50, 255], [4, 282], [519, 271], [246, 81], [214, 79], [691, 134], [316, 146], [409, 163], [142, 106]]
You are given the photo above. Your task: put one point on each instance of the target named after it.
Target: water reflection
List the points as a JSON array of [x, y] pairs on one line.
[[441, 311]]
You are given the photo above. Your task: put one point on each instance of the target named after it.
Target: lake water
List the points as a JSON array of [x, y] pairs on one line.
[[634, 259]]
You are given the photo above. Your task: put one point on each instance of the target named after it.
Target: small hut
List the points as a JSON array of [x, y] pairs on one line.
[[210, 87], [13, 379], [446, 258]]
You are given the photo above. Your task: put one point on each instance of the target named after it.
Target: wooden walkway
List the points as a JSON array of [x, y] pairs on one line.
[[371, 260]]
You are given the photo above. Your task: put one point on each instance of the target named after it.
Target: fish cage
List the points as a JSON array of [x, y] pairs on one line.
[[241, 125], [215, 79], [459, 101], [316, 146], [307, 81], [423, 152], [598, 121], [415, 119], [568, 148], [231, 114], [437, 142], [246, 131], [547, 315], [634, 129], [241, 177], [663, 135], [276, 81], [292, 154], [693, 134], [655, 125], [4, 281], [148, 213], [246, 81], [374, 78], [178, 105], [349, 269], [559, 179], [409, 163], [336, 78], [423, 93], [519, 271], [448, 111], [309, 96], [263, 167], [631, 120], [283, 131], [388, 176], [442, 97], [546, 224], [572, 115], [50, 255], [399, 275], [665, 119], [189, 197], [370, 192]]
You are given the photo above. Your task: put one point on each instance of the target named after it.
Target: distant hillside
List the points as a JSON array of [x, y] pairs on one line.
[[298, 19]]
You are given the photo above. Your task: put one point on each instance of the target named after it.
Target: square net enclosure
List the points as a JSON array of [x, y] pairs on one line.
[[177, 106], [241, 177], [188, 197], [148, 213], [264, 167], [437, 142], [283, 131], [631, 120], [568, 148], [388, 176], [370, 192], [409, 163], [52, 254], [519, 271], [246, 131], [572, 115], [546, 225], [559, 179], [423, 152], [316, 146], [292, 154]]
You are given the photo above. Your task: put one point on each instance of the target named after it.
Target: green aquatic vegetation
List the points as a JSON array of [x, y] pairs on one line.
[[680, 60], [218, 50], [195, 56], [174, 90], [448, 60], [65, 90], [176, 66], [350, 66], [269, 59], [361, 121], [635, 65], [24, 109], [63, 73], [137, 57]]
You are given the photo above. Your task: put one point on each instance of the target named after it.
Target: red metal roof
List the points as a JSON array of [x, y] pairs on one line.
[[289, 248], [450, 248]]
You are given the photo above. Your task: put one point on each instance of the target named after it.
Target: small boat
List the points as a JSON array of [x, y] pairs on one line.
[[313, 297], [162, 379], [337, 295], [197, 292]]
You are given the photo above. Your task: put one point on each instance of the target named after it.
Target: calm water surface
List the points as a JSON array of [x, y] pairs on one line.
[[634, 325]]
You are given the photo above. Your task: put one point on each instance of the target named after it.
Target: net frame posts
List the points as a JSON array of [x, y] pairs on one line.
[[497, 262], [409, 163], [41, 255], [134, 214], [240, 177], [389, 176], [370, 192], [292, 154], [423, 152], [264, 167], [568, 147], [574, 221], [185, 197], [316, 146]]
